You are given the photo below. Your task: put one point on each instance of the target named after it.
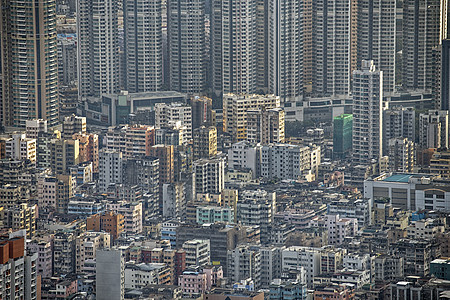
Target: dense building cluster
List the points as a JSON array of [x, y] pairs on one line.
[[224, 149]]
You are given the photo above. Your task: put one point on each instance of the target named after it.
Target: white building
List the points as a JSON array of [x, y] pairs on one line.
[[401, 155], [174, 200], [376, 37], [235, 107], [257, 208], [433, 129], [285, 53], [340, 228], [98, 47], [409, 191], [34, 127], [243, 155], [286, 161], [197, 252], [141, 275], [110, 168], [17, 269], [143, 42], [398, 122], [110, 274], [356, 261], [209, 176], [425, 229], [356, 209], [244, 262], [238, 48], [295, 258], [367, 113], [87, 245], [424, 24], [174, 115], [18, 146], [187, 55]]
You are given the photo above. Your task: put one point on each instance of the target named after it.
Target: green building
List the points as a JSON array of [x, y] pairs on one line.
[[440, 268], [342, 135]]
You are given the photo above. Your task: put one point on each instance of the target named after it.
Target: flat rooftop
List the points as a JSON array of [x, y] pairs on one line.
[[398, 178]]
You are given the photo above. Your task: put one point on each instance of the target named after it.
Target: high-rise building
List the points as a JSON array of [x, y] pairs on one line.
[[175, 115], [401, 155], [445, 75], [209, 176], [235, 109], [144, 172], [233, 34], [64, 250], [243, 263], [398, 122], [110, 168], [433, 129], [331, 45], [29, 62], [67, 59], [110, 274], [187, 45], [166, 162], [265, 126], [376, 37], [367, 113], [284, 48], [197, 252], [98, 47], [342, 135], [143, 45], [205, 142], [257, 208], [202, 113], [131, 140], [173, 200], [440, 163], [286, 161], [64, 154], [73, 124], [109, 222], [18, 269], [421, 33]]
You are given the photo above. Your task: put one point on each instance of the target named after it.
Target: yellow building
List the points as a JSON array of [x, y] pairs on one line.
[[205, 142], [235, 109]]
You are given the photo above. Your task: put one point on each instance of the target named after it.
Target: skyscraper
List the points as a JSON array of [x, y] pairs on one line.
[[110, 271], [98, 47], [143, 45], [234, 46], [367, 113], [421, 33], [187, 47], [331, 47], [445, 75], [376, 37], [29, 61], [284, 48]]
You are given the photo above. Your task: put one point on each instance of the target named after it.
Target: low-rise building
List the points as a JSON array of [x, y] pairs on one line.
[[110, 222], [141, 274], [132, 213], [197, 252]]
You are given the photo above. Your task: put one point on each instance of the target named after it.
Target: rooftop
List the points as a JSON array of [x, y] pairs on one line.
[[398, 178]]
